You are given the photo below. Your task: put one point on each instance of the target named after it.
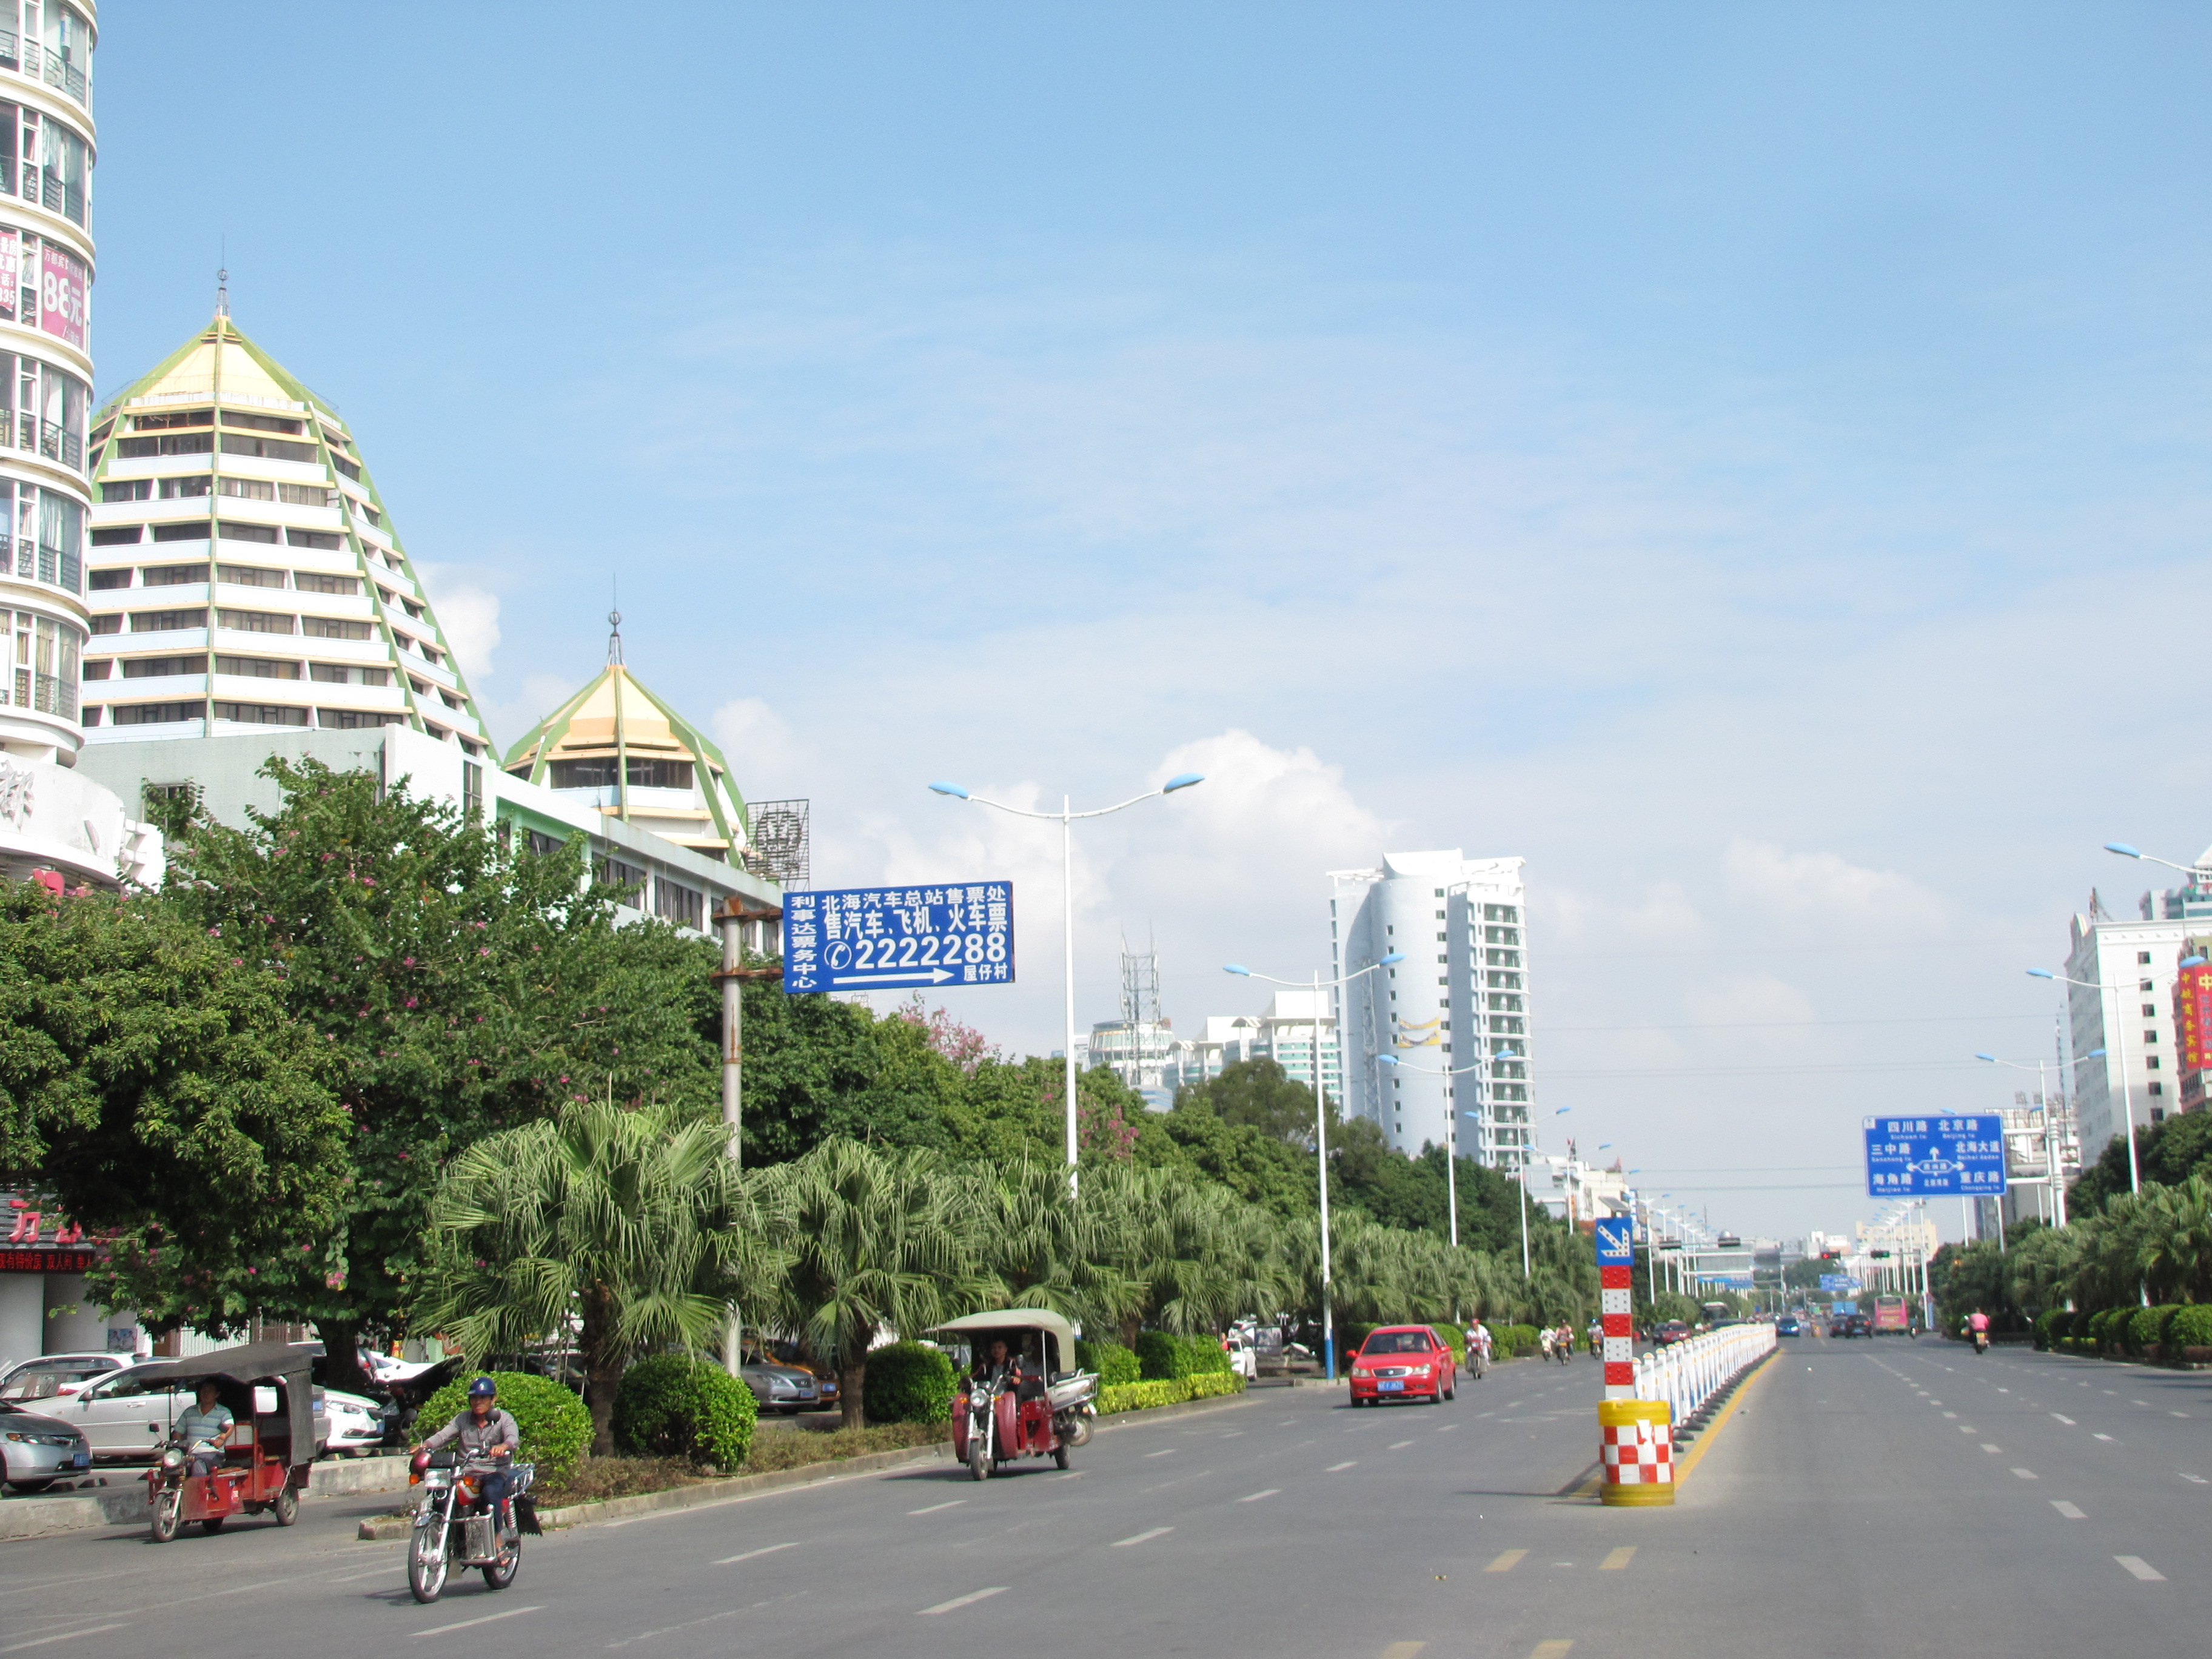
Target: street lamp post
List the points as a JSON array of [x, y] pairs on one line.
[[2050, 1145], [1451, 1136], [1320, 1120], [2119, 1036], [1066, 819]]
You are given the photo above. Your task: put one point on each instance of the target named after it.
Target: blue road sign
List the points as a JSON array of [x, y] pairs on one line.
[[1838, 1283], [1616, 1246], [1922, 1156], [885, 939], [1726, 1281]]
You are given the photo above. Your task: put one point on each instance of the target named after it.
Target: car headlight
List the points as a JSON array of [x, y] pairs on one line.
[[1362, 1370]]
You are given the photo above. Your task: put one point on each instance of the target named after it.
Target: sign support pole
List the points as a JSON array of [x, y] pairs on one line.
[[735, 912]]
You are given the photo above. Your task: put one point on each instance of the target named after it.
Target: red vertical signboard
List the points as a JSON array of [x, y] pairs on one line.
[[2192, 1007]]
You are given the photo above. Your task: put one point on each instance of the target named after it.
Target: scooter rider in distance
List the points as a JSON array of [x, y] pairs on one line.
[[1978, 1327], [489, 1436]]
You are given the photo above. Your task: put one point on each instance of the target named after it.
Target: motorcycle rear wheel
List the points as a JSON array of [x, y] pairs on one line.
[[167, 1506], [426, 1562], [285, 1506], [1059, 1455], [500, 1573]]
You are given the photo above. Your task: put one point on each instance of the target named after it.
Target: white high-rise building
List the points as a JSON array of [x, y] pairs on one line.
[[1460, 994], [2133, 1019], [1285, 1034]]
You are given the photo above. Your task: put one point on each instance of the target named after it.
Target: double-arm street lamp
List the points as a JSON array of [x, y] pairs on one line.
[[1066, 819], [1451, 1140], [1320, 1117], [2050, 1146]]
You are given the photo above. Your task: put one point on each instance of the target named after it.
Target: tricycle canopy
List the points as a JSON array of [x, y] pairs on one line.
[[1012, 1320], [288, 1363]]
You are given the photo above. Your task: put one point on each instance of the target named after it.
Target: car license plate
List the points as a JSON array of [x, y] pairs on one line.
[[81, 1461], [1391, 1387]]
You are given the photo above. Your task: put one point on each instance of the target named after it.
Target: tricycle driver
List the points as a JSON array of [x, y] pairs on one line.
[[205, 1428], [489, 1436]]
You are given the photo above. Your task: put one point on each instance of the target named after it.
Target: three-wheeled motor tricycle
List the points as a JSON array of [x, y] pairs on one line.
[[264, 1466], [1034, 1403]]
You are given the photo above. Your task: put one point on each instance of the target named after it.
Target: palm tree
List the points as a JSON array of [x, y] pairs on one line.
[[2174, 1246], [1051, 1248], [631, 1220], [875, 1240], [1196, 1255]]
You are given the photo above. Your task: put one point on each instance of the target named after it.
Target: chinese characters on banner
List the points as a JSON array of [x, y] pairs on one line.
[[1920, 1157], [867, 938], [64, 296], [11, 271], [2192, 1007]]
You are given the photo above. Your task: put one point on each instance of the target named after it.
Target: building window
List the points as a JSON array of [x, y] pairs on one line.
[[317, 581], [598, 772], [156, 714], [261, 713], [248, 489], [2150, 1063], [256, 621], [121, 535], [257, 668], [249, 576], [166, 622], [472, 789], [158, 668], [2150, 1037], [352, 719], [2158, 1088], [339, 673], [322, 540], [332, 628], [105, 580], [174, 575], [263, 422], [615, 872], [163, 422], [108, 624], [195, 530], [231, 530], [683, 905], [543, 843], [2143, 957], [184, 489], [185, 443], [270, 449], [312, 494]]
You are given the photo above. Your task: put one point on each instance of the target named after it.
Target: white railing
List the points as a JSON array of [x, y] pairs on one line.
[[1689, 1373]]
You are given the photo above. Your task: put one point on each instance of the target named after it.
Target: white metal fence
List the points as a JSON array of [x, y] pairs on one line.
[[1688, 1374]]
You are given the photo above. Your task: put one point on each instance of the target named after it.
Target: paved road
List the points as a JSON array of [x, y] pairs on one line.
[[1867, 1499]]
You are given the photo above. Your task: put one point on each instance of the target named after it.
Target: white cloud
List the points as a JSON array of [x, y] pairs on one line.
[[1823, 885], [469, 614], [766, 757], [1570, 918]]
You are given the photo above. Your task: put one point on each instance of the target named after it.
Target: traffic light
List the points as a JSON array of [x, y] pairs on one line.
[[1832, 1255], [1879, 1255]]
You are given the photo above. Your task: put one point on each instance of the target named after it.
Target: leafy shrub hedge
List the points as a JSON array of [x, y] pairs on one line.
[[1166, 1391], [2141, 1330], [2098, 1322], [2052, 1325], [1455, 1338], [673, 1405], [1163, 1357], [555, 1426], [908, 1383], [1114, 1363], [2191, 1326], [1511, 1341]]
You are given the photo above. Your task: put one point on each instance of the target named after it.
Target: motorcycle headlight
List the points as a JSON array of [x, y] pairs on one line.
[[172, 1459]]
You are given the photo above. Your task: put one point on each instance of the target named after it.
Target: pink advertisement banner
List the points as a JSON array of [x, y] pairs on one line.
[[64, 295]]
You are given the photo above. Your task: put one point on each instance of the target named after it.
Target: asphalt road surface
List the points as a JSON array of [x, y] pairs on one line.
[[1878, 1498]]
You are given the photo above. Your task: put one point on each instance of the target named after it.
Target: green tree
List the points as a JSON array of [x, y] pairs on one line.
[[152, 1082], [875, 1237], [1260, 1095], [462, 986], [632, 1222]]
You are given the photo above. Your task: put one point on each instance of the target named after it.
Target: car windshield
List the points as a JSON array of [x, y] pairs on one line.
[[1397, 1342], [31, 1384]]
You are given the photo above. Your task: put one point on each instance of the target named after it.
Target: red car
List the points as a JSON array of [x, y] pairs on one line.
[[1404, 1362]]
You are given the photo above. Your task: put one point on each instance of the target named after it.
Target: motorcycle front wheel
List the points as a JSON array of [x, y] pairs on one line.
[[500, 1573], [979, 1461], [426, 1563], [167, 1506]]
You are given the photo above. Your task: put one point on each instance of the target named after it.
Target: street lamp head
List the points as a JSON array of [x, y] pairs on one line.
[[1504, 1053], [1237, 969], [2122, 849], [1390, 1059], [2192, 962], [1605, 1146], [2094, 1054], [951, 789], [1182, 780], [1992, 1059], [1391, 960], [1563, 1111], [2041, 973]]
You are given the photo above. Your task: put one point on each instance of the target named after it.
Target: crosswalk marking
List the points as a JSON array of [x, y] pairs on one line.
[[1616, 1559], [1507, 1562], [2141, 1569]]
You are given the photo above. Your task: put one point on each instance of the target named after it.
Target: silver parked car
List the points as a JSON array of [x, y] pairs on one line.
[[127, 1413], [35, 1449], [57, 1374], [782, 1388]]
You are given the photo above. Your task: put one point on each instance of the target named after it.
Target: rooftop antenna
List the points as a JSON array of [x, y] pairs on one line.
[[614, 638], [223, 281]]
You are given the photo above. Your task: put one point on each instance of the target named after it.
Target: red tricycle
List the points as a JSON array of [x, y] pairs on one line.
[[263, 1464], [1022, 1396]]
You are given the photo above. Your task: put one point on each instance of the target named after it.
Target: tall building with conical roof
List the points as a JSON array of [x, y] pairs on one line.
[[244, 575]]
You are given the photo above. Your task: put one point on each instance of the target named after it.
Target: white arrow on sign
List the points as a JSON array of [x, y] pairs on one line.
[[933, 977]]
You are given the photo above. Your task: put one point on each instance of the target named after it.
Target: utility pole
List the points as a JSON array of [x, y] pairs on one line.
[[737, 913]]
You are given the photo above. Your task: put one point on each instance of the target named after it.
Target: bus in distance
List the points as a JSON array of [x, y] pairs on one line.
[[1891, 1314]]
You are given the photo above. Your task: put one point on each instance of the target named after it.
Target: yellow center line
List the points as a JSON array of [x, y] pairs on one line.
[[1506, 1562], [1403, 1649], [1555, 1648], [1616, 1559]]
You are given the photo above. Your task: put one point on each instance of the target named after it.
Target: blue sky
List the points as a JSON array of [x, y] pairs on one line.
[[1748, 460]]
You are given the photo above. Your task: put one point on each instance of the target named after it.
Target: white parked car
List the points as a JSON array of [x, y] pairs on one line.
[[125, 1414], [1242, 1358], [53, 1375], [353, 1423]]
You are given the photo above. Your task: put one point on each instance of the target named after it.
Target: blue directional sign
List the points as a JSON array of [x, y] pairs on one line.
[[1838, 1283], [885, 939], [1616, 1246], [1923, 1156]]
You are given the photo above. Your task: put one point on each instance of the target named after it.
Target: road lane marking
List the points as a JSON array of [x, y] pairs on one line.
[[1952, 1415], [2067, 1420], [1616, 1559], [465, 1624], [1506, 1562], [969, 1600], [950, 1502], [1164, 1451], [2106, 1436], [1449, 1427], [1402, 1649], [2141, 1569], [1398, 1445], [1968, 1428], [65, 1636], [1335, 1468], [1143, 1537], [1987, 1447], [1232, 1434], [2068, 1510], [2177, 1413], [770, 1549], [1555, 1648], [2025, 1474], [1256, 1497], [2196, 1479]]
